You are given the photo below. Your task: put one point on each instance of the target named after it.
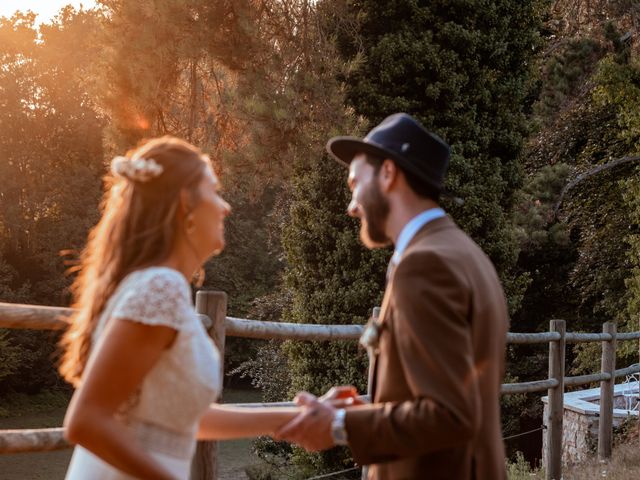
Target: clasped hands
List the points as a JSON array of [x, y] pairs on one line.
[[311, 429]]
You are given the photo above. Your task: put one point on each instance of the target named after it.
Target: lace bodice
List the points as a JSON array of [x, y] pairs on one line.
[[187, 377]]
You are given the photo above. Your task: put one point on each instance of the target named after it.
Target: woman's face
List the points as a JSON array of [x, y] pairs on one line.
[[208, 217]]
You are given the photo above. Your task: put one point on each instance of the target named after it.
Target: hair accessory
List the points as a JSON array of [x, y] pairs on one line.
[[136, 169]]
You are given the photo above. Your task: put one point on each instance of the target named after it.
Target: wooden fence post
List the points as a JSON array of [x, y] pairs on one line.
[[375, 314], [555, 411], [214, 305], [605, 424]]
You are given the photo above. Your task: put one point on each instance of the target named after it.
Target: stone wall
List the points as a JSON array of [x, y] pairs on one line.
[[580, 423]]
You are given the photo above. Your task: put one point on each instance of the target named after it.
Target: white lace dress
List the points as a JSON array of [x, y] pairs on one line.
[[164, 413]]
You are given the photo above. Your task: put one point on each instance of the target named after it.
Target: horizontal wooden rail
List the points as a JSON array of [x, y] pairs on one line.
[[532, 337], [32, 440], [527, 387], [241, 327], [574, 337], [623, 372], [584, 379], [628, 336], [363, 398], [46, 439], [53, 318], [599, 377], [35, 317]]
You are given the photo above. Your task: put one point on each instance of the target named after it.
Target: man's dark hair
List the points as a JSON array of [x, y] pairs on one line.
[[419, 186]]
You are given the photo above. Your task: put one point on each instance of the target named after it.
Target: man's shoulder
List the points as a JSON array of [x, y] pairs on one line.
[[432, 260], [448, 248], [443, 239]]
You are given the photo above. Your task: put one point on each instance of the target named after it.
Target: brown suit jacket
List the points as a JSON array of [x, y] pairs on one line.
[[436, 380]]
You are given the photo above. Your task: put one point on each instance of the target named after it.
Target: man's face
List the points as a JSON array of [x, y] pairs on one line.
[[368, 203]]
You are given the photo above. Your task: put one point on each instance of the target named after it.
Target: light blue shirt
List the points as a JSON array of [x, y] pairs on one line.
[[410, 230]]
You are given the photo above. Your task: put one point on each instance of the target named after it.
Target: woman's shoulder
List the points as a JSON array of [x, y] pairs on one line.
[[158, 275], [155, 295]]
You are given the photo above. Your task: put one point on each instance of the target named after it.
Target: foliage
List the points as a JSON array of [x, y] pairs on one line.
[[536, 226], [618, 90], [581, 261], [331, 277], [462, 69], [519, 469], [260, 86], [10, 355], [50, 176], [565, 71], [51, 139], [21, 404]]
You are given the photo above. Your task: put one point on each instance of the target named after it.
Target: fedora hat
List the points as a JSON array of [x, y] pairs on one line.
[[401, 138]]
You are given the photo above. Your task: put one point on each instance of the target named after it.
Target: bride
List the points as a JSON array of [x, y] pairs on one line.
[[145, 370]]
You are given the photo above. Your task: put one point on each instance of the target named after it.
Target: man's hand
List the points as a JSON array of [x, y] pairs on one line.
[[311, 429]]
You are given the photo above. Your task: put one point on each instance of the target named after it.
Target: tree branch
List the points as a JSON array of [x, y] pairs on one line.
[[584, 176]]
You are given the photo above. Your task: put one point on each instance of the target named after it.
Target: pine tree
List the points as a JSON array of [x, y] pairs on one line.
[[462, 69]]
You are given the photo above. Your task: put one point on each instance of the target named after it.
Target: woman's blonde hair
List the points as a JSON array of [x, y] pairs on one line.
[[138, 228]]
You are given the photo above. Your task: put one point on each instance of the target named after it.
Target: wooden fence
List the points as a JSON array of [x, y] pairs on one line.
[[212, 307]]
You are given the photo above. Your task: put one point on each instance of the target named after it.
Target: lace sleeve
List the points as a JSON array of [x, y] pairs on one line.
[[159, 297]]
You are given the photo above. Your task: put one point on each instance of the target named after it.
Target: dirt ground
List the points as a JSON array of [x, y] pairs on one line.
[[234, 455]]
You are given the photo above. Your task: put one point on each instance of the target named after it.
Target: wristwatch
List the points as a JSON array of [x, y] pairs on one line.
[[338, 430]]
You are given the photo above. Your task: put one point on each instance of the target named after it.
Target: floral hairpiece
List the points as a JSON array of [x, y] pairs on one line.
[[136, 169]]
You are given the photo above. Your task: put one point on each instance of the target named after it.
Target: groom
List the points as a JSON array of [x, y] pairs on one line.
[[438, 348]]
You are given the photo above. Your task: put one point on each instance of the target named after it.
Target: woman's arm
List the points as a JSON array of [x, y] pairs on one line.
[[126, 354], [222, 422]]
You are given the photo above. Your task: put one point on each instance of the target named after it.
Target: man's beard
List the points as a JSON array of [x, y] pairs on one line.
[[375, 209]]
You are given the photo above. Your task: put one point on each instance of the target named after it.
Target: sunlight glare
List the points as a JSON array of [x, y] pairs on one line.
[[45, 9]]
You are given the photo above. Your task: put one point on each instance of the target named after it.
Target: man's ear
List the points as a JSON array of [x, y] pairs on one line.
[[388, 175]]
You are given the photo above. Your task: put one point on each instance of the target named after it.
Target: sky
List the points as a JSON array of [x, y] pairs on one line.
[[46, 9]]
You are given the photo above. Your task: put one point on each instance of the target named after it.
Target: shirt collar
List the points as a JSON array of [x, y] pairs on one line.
[[411, 228]]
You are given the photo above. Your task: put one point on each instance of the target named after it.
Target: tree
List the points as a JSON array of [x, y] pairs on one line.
[[581, 255], [51, 143], [463, 69]]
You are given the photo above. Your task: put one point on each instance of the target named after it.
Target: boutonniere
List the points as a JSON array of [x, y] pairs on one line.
[[370, 338]]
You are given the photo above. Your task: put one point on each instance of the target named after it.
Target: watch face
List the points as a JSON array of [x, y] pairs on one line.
[[340, 437], [338, 431]]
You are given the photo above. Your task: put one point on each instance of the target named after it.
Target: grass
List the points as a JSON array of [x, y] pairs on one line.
[[623, 465]]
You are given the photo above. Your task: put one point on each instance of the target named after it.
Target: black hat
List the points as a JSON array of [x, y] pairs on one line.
[[402, 139]]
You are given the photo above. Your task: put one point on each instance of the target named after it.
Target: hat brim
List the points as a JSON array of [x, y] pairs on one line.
[[344, 149]]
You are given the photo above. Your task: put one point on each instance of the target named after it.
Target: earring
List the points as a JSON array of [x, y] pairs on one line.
[[198, 278], [189, 224]]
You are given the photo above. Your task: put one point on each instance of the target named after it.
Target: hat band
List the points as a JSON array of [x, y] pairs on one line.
[[435, 179]]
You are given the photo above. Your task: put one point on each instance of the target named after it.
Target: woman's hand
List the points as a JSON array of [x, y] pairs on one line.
[[343, 396]]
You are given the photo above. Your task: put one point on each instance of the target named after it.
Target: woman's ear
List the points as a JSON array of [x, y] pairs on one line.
[[185, 203]]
